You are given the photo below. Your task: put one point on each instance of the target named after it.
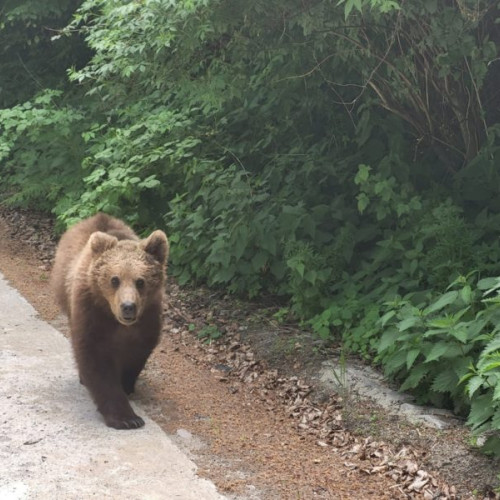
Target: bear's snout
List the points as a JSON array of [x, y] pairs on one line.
[[128, 311], [126, 303]]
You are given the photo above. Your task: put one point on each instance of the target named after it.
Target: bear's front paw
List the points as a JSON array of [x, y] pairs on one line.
[[117, 422]]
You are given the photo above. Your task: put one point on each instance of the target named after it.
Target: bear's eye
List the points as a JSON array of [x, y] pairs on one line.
[[139, 283], [115, 281]]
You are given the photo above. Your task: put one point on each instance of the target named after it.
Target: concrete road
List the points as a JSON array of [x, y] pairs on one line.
[[54, 444]]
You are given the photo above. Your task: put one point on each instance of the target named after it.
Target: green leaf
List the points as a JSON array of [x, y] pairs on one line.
[[494, 345], [442, 323], [395, 362], [432, 333], [311, 276], [437, 351], [459, 332], [411, 357], [446, 381], [224, 275], [363, 174], [495, 421], [466, 294], [415, 377], [386, 317], [259, 260], [443, 301], [492, 444], [466, 377], [481, 411], [485, 365], [461, 366], [408, 323], [388, 339], [363, 202], [489, 284], [349, 5], [269, 243], [475, 327], [297, 265], [473, 385]]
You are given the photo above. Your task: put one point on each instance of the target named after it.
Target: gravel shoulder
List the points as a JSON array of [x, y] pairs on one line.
[[248, 405]]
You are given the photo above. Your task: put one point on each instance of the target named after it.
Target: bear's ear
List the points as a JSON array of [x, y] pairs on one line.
[[156, 245], [100, 242]]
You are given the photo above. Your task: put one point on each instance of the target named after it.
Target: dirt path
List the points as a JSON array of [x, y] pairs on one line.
[[250, 430]]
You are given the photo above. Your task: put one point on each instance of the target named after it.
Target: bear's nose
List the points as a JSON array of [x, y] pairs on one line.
[[128, 310]]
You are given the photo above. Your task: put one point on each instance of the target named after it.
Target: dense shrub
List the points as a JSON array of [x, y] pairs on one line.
[[342, 155], [32, 55], [440, 345], [40, 153]]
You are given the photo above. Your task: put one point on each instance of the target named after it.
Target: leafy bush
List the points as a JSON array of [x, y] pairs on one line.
[[33, 55], [446, 350], [340, 155], [129, 168], [41, 152]]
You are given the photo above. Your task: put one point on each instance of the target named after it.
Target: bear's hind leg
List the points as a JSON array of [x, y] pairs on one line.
[[129, 378], [130, 374]]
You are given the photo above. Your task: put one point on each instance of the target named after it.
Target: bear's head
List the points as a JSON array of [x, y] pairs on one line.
[[127, 275]]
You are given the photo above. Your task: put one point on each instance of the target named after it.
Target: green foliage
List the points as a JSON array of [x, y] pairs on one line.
[[446, 350], [124, 163], [209, 333], [40, 153], [40, 145], [358, 5], [32, 54], [483, 379], [341, 155], [418, 340], [225, 242]]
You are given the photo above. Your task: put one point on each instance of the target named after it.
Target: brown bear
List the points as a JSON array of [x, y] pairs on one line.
[[110, 284]]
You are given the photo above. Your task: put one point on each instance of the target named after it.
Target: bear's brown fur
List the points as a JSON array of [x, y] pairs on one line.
[[110, 284]]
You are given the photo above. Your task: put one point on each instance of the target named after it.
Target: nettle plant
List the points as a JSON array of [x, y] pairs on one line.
[[446, 350], [40, 152]]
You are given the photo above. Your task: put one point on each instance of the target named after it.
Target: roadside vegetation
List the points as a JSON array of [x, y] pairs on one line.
[[342, 155]]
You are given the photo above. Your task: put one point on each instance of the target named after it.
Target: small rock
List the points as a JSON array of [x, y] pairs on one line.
[[184, 434]]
